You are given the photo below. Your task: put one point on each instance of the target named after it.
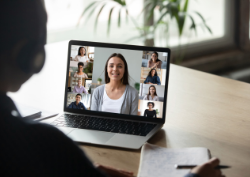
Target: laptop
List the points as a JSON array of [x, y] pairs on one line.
[[96, 114]]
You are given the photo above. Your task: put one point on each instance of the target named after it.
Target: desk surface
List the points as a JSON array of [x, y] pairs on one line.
[[203, 110]]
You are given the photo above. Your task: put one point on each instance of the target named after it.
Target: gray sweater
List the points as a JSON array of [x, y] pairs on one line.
[[129, 104]]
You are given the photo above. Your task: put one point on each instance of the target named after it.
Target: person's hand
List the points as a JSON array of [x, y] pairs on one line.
[[208, 169], [113, 172]]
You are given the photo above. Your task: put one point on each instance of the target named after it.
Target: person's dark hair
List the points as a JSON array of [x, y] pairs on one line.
[[21, 21], [149, 74], [153, 104], [156, 53], [79, 95], [80, 49], [149, 91], [125, 76], [80, 64]]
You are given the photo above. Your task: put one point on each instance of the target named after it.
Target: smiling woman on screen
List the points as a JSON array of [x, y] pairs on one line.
[[152, 95], [81, 55], [154, 62], [116, 96], [152, 78]]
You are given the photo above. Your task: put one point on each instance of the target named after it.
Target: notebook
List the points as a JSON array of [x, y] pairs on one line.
[[160, 162]]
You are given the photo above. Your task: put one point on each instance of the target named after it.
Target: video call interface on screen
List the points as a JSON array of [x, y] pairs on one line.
[[144, 80]]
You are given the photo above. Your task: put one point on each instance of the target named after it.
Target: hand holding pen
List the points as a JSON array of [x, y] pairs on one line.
[[209, 169]]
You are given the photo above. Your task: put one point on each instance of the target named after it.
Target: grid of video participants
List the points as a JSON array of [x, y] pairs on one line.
[[93, 70]]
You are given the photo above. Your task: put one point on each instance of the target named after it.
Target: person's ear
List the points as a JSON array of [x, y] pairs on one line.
[[29, 56]]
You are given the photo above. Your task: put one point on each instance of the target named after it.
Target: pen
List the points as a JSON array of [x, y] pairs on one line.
[[192, 166]]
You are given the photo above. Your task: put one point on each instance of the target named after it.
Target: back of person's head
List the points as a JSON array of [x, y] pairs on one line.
[[23, 36], [23, 31]]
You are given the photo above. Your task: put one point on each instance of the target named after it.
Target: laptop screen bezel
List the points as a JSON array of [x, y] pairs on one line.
[[115, 115]]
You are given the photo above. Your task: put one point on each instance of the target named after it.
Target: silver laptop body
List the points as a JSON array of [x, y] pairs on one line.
[[137, 58]]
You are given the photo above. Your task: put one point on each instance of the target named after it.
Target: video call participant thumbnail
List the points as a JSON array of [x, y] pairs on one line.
[[77, 104], [152, 78], [80, 72], [152, 95], [79, 88], [81, 55], [154, 62], [116, 96], [150, 112]]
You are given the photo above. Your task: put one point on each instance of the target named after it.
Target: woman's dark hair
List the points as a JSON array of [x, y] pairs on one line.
[[149, 91], [125, 76], [79, 95], [80, 64], [156, 55], [80, 49], [151, 103], [149, 74]]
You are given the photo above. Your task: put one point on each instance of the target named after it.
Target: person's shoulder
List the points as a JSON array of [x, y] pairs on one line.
[[131, 89], [99, 89]]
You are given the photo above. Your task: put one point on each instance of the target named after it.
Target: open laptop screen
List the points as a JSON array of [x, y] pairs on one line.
[[116, 80]]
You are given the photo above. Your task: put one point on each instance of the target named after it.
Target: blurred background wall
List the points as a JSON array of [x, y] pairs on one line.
[[207, 35]]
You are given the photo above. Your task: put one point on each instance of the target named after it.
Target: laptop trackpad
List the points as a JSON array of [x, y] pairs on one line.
[[90, 136]]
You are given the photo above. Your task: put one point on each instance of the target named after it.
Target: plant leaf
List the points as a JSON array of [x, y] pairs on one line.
[[119, 17], [185, 6], [85, 10], [193, 25], [202, 18], [208, 28], [96, 20], [181, 22], [109, 21]]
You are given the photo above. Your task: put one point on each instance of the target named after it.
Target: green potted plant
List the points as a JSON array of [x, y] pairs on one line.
[[137, 86], [99, 81], [157, 112], [88, 69]]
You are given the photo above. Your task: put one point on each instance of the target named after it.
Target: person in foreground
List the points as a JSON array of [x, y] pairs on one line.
[[30, 148], [152, 95], [77, 104], [152, 78], [116, 96]]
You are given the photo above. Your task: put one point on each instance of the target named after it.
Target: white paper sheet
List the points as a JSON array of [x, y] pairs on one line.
[[159, 162]]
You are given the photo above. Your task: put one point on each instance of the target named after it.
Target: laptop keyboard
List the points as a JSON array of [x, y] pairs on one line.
[[102, 124]]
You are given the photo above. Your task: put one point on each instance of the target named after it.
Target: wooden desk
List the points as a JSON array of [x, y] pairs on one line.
[[203, 110]]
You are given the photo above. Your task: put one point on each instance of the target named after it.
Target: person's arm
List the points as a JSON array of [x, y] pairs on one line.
[[75, 75], [206, 170], [156, 98], [74, 91], [148, 63], [56, 150], [95, 100], [84, 106], [76, 58], [71, 105], [84, 90], [159, 64], [145, 97], [134, 105], [158, 82], [146, 81]]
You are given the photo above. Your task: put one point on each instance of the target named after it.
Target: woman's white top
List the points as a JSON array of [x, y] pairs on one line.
[[110, 105], [84, 75], [81, 59], [156, 98]]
